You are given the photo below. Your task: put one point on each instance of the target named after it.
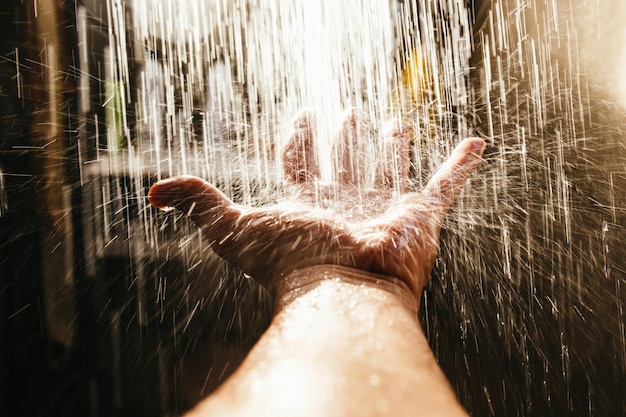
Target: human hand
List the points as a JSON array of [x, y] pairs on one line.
[[383, 230]]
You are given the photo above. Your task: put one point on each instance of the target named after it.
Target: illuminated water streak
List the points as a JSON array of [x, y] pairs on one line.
[[217, 84]]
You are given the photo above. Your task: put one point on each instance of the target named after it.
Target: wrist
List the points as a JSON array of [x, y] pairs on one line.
[[301, 281]]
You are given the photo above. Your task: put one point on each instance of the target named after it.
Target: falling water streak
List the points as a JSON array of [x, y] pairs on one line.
[[218, 80], [4, 202], [259, 46]]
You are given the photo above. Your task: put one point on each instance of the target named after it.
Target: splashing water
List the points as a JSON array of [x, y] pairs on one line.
[[218, 82], [525, 309]]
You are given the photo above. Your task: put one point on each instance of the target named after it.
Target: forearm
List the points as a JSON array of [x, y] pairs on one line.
[[338, 347]]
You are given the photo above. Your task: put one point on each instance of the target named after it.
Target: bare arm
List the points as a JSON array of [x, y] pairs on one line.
[[345, 339], [342, 348]]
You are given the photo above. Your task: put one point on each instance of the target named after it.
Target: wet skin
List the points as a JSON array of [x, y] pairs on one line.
[[381, 230], [347, 265]]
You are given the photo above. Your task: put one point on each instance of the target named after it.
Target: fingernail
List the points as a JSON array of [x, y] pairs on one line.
[[479, 146]]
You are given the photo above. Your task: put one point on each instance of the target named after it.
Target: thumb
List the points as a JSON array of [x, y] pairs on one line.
[[200, 201]]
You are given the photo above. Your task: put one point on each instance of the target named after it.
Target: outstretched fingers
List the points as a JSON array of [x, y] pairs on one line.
[[300, 165], [349, 151], [444, 187], [394, 165], [204, 204]]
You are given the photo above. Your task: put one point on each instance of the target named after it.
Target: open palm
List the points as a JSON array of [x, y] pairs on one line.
[[382, 230]]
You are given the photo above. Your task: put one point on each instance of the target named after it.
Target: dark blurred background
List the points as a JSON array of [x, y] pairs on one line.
[[92, 323]]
